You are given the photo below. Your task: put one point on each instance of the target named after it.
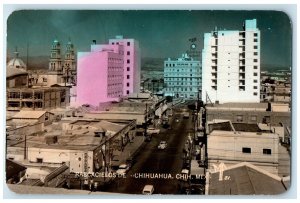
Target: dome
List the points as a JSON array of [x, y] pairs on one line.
[[16, 63], [12, 71]]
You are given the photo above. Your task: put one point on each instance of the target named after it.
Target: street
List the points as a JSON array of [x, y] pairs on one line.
[[153, 161]]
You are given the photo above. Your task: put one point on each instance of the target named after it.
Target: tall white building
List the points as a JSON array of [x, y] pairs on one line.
[[231, 65], [182, 77], [132, 63]]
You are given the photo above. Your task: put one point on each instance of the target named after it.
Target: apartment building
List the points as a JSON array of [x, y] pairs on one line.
[[132, 63], [231, 65], [182, 77]]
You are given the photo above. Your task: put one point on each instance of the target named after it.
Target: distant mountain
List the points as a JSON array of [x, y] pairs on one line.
[[152, 64], [147, 64], [36, 62], [273, 68]]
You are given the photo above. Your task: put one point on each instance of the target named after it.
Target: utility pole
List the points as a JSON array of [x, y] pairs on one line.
[[146, 118], [25, 147]]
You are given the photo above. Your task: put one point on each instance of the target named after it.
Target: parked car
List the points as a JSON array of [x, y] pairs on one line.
[[123, 169], [148, 190], [152, 130], [186, 115], [162, 145]]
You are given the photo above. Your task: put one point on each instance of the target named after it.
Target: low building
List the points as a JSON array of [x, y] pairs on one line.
[[84, 145], [38, 98], [245, 179], [14, 171], [32, 117], [232, 143], [273, 114]]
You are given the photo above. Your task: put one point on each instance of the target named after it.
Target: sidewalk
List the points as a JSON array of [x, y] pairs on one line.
[[131, 149]]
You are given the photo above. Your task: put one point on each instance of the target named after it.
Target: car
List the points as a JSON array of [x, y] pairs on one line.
[[177, 120], [152, 130], [185, 173], [186, 115], [162, 145], [148, 190], [123, 169]]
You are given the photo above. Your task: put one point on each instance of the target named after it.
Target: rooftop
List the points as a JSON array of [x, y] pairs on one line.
[[12, 71], [246, 179], [29, 114], [239, 106]]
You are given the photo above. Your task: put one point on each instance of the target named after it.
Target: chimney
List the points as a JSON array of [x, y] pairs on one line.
[[94, 41]]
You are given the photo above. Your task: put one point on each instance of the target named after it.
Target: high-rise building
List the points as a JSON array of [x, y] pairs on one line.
[[132, 64], [100, 75], [231, 65], [182, 77], [108, 72]]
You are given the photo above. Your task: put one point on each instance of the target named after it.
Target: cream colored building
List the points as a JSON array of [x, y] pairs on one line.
[[232, 143]]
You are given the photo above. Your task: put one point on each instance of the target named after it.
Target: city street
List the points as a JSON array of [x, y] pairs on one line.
[[154, 161]]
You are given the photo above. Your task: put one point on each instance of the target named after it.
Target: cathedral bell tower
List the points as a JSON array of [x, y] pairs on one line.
[[70, 63], [55, 62]]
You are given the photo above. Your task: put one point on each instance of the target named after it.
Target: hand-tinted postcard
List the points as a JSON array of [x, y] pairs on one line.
[[172, 102]]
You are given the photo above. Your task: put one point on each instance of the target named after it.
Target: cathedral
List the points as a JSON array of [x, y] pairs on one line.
[[64, 69]]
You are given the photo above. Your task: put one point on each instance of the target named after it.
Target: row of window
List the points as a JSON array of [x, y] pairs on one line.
[[182, 70], [247, 150], [181, 64], [181, 89], [174, 89], [184, 83], [115, 59], [181, 79], [117, 43]]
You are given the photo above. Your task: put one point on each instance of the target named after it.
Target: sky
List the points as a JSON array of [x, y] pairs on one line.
[[161, 33]]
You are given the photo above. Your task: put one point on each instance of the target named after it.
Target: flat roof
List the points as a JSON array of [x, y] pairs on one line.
[[29, 114], [239, 106]]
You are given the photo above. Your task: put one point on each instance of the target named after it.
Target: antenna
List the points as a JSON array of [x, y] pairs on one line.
[[27, 65]]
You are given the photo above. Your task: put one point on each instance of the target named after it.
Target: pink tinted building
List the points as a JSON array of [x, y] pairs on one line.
[[108, 71], [132, 64], [100, 75]]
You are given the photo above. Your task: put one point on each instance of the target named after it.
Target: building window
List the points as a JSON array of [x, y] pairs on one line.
[[255, 34], [255, 60], [255, 53], [253, 118], [247, 150], [255, 40], [254, 74], [128, 76], [239, 118], [128, 43], [128, 69], [128, 84], [128, 61], [255, 93], [39, 160], [267, 151], [113, 43], [255, 87], [255, 47], [255, 67], [128, 53], [255, 81]]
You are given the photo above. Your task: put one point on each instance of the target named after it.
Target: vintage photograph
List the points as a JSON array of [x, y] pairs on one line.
[[148, 102]]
